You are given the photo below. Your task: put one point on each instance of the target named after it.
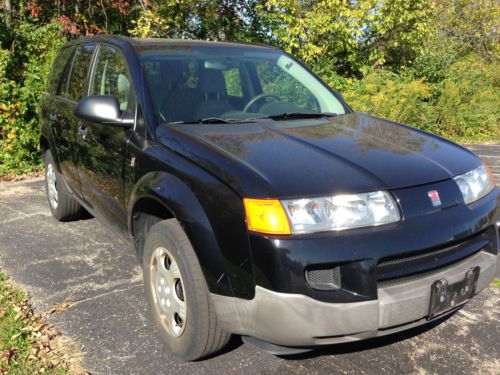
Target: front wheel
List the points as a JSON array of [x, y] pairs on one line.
[[178, 295]]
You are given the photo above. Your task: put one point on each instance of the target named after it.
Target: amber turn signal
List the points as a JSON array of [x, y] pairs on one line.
[[266, 216], [493, 179]]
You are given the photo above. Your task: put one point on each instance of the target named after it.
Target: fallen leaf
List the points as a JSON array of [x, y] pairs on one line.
[[38, 327], [8, 354], [60, 307]]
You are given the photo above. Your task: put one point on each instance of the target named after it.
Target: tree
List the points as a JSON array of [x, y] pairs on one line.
[[347, 35], [468, 26], [203, 19]]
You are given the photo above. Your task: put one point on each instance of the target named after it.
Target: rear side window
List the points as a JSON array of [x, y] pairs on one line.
[[73, 84], [233, 82], [58, 66]]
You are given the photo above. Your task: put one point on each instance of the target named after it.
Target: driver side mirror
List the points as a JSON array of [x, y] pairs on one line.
[[103, 109]]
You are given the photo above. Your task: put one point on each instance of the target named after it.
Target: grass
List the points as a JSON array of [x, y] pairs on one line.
[[496, 282], [27, 344]]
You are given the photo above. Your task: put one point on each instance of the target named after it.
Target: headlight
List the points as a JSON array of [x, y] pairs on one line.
[[340, 212], [475, 184]]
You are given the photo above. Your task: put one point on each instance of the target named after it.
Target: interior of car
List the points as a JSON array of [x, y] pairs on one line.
[[192, 87]]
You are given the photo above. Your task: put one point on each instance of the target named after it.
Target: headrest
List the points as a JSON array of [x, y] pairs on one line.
[[212, 81], [171, 73], [123, 85]]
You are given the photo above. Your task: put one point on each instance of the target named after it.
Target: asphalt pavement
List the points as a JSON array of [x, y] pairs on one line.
[[82, 263]]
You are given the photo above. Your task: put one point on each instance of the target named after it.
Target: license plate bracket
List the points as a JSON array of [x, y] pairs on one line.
[[445, 296]]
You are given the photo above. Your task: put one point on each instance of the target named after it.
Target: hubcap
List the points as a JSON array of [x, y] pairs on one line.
[[52, 185], [168, 291]]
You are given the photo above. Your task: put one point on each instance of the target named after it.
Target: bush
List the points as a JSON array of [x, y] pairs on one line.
[[385, 94], [468, 106], [23, 74], [463, 106]]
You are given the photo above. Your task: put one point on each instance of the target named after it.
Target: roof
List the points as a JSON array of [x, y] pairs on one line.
[[140, 42]]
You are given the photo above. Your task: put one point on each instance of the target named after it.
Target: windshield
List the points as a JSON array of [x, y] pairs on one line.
[[192, 83]]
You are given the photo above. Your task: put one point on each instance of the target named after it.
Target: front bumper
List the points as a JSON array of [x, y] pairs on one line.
[[426, 239], [297, 320]]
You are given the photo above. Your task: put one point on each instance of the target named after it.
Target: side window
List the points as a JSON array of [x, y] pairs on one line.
[[275, 80], [111, 78], [233, 82], [58, 67], [73, 88], [63, 86]]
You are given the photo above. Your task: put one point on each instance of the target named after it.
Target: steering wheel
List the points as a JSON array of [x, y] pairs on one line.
[[259, 98]]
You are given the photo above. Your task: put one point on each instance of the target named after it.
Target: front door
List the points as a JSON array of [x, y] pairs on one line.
[[103, 147]]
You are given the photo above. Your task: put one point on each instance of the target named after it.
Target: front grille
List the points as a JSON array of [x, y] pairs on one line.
[[406, 279], [401, 260], [410, 266]]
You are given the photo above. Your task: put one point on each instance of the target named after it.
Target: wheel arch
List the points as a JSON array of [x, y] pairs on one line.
[[146, 212], [44, 144], [159, 196]]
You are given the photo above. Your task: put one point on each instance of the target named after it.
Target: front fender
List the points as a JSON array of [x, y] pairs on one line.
[[200, 222]]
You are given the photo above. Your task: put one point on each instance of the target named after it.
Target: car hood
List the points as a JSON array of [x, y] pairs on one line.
[[294, 158]]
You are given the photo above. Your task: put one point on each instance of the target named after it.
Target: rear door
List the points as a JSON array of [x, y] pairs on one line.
[[102, 147], [71, 89]]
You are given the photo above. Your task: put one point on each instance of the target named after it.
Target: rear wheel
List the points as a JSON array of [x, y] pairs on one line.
[[178, 295], [62, 205]]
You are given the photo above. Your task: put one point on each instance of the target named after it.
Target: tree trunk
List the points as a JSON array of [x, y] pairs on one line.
[[8, 6], [8, 10]]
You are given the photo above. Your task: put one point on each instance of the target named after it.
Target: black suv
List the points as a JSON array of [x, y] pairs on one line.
[[258, 202]]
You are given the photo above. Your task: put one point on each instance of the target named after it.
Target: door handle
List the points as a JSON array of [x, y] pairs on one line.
[[82, 132], [53, 117]]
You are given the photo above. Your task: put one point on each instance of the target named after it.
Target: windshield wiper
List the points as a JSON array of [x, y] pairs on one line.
[[297, 115], [209, 120]]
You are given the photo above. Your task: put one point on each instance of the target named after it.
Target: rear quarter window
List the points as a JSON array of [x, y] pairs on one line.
[[74, 81], [58, 67]]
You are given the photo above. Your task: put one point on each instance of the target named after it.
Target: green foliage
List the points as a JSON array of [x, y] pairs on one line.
[[468, 104], [233, 82], [349, 34], [149, 25], [468, 26], [386, 94], [326, 30], [22, 333], [464, 105], [202, 19], [32, 59], [432, 64]]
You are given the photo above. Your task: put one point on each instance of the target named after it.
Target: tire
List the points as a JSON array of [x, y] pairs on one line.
[[195, 332], [62, 205]]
